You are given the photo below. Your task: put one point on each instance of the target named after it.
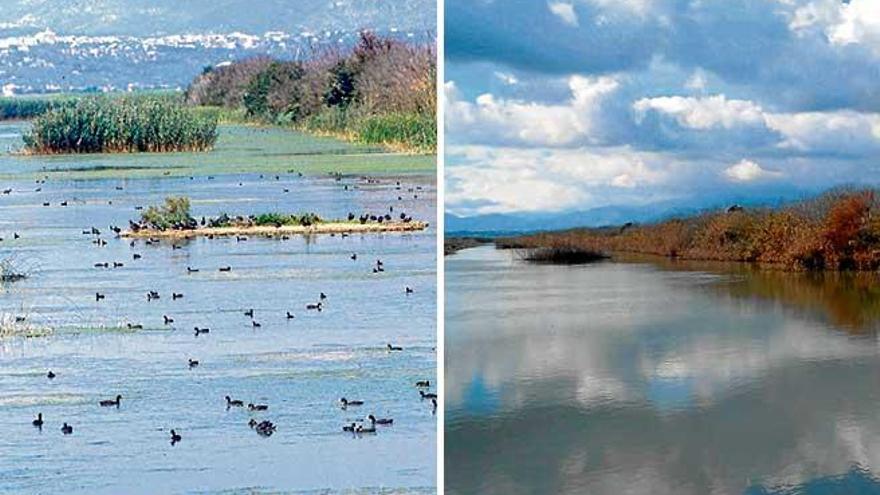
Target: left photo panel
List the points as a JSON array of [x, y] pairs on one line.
[[218, 262]]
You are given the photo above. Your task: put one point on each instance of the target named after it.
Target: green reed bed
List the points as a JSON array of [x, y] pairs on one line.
[[418, 131], [121, 125]]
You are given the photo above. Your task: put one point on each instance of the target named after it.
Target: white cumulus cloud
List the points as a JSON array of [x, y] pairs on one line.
[[564, 11], [749, 171], [515, 179], [837, 131], [843, 23], [490, 119], [702, 113]]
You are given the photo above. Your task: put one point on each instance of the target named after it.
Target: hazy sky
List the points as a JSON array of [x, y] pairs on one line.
[[576, 104]]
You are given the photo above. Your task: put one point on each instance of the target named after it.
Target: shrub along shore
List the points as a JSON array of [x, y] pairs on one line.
[[381, 91], [837, 231]]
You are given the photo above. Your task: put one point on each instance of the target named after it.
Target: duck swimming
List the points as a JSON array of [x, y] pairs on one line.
[[380, 421], [66, 429], [201, 330], [257, 407], [193, 363], [168, 320], [428, 395], [394, 348], [365, 429], [39, 421], [111, 402], [265, 428], [290, 316], [345, 402], [50, 375], [233, 403], [348, 428], [423, 383]]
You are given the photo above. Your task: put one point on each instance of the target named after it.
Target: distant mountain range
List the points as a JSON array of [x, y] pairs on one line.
[[500, 223], [511, 223], [74, 45]]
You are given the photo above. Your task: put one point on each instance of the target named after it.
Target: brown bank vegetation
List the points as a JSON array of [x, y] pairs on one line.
[[839, 230]]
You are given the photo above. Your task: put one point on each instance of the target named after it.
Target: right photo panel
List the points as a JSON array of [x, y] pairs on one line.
[[662, 247]]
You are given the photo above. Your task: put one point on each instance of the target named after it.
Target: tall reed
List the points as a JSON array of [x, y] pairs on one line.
[[121, 125]]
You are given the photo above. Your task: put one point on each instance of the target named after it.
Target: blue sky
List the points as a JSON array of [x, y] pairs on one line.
[[579, 104]]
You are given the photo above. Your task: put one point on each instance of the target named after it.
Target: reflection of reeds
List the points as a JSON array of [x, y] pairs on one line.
[[839, 230], [848, 300]]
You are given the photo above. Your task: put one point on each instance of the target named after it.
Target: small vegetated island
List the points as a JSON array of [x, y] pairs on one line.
[[105, 124], [837, 231], [173, 220]]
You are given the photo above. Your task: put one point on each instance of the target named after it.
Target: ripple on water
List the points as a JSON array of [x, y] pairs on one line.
[[47, 399]]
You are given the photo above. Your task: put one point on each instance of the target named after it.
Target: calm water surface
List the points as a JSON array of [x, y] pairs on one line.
[[656, 377], [299, 367]]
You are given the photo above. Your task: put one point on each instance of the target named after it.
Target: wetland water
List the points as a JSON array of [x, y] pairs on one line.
[[299, 367], [657, 377]]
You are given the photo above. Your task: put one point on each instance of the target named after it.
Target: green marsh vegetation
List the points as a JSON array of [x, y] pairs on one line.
[[28, 107], [382, 91], [125, 124], [837, 231], [239, 149]]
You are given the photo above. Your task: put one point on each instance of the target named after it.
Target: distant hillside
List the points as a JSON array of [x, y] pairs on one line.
[[66, 45], [161, 17]]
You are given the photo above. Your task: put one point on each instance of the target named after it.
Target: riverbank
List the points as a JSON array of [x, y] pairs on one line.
[[269, 230], [836, 231], [452, 245]]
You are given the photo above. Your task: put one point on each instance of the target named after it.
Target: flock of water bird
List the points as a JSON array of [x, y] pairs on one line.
[[265, 428]]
